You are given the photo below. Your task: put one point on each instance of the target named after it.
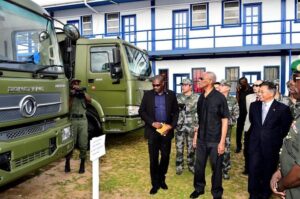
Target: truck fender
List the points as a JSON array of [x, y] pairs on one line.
[[96, 106]]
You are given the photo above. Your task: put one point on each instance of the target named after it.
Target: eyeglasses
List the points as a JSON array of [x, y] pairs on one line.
[[256, 85], [156, 85]]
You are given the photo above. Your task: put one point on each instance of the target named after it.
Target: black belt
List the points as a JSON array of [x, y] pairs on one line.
[[76, 116]]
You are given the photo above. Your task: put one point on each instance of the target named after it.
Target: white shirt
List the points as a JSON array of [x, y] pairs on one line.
[[265, 109]]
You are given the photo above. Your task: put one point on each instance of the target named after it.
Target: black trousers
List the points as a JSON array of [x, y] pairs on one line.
[[159, 168], [203, 151], [261, 169], [246, 149], [239, 129]]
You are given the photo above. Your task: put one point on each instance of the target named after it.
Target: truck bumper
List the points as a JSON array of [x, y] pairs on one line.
[[29, 153], [122, 124]]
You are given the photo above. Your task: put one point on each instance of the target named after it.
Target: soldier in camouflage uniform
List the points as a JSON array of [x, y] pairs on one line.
[[187, 121], [285, 181], [234, 113], [279, 97]]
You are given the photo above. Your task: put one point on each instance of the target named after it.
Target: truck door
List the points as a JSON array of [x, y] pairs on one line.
[[100, 85]]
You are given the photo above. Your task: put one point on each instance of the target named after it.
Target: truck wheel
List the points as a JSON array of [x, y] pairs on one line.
[[94, 125]]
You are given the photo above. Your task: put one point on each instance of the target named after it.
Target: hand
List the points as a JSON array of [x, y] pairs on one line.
[[169, 127], [273, 184], [195, 142], [221, 148], [157, 125]]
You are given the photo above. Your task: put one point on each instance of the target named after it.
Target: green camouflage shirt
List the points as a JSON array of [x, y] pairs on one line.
[[233, 109], [188, 118]]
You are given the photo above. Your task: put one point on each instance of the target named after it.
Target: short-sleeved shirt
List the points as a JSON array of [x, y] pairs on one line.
[[290, 155], [211, 110]]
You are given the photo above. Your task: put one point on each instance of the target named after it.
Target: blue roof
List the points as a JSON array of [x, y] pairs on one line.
[[81, 5]]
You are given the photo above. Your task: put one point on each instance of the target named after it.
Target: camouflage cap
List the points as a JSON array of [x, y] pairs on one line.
[[295, 66], [276, 81], [225, 82], [186, 81]]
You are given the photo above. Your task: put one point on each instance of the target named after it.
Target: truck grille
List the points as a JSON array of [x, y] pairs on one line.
[[10, 106], [25, 131], [31, 157]]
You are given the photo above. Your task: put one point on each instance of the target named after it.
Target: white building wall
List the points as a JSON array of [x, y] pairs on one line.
[[217, 65]]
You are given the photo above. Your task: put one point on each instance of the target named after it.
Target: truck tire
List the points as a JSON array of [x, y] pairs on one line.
[[94, 125]]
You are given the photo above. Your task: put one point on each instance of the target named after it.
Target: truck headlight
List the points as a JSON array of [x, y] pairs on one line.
[[66, 134], [133, 110]]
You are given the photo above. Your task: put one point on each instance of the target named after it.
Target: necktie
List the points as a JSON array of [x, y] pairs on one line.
[[264, 112]]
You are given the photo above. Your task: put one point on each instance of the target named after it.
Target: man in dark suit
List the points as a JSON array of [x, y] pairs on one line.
[[270, 122], [159, 106]]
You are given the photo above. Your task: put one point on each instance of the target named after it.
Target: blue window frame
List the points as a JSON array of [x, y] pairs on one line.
[[129, 28], [180, 29], [297, 10], [112, 23], [252, 24], [252, 76], [199, 16], [177, 79], [87, 25], [231, 13]]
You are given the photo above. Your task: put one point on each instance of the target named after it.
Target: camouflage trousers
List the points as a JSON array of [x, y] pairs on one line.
[[226, 165], [182, 138]]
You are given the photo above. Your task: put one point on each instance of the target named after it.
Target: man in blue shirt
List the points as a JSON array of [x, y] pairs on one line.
[[159, 106]]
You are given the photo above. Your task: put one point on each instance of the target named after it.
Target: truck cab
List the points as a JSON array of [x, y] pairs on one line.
[[116, 74], [34, 91]]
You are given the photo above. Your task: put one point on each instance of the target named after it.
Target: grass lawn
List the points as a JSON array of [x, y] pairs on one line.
[[124, 172]]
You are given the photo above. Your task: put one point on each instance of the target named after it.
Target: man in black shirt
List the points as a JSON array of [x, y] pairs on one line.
[[209, 138], [242, 91]]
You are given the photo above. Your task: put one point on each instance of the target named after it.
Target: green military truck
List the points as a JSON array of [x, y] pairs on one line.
[[34, 91], [116, 75]]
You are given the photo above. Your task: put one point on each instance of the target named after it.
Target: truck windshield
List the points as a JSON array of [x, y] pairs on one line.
[[138, 61], [27, 41]]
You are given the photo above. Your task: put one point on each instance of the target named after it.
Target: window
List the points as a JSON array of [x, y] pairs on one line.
[[87, 28], [112, 23], [231, 13], [297, 12], [199, 14], [101, 58], [165, 74], [26, 44], [271, 73], [232, 75], [196, 74]]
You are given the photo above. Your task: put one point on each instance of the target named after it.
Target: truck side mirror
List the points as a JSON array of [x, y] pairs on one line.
[[71, 31], [115, 67]]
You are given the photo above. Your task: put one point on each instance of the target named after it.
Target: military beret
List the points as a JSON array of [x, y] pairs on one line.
[[186, 81], [296, 66], [225, 82]]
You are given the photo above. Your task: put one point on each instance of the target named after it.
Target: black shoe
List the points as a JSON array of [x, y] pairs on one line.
[[67, 166], [164, 186], [153, 190], [245, 172], [237, 150], [196, 194], [81, 168]]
